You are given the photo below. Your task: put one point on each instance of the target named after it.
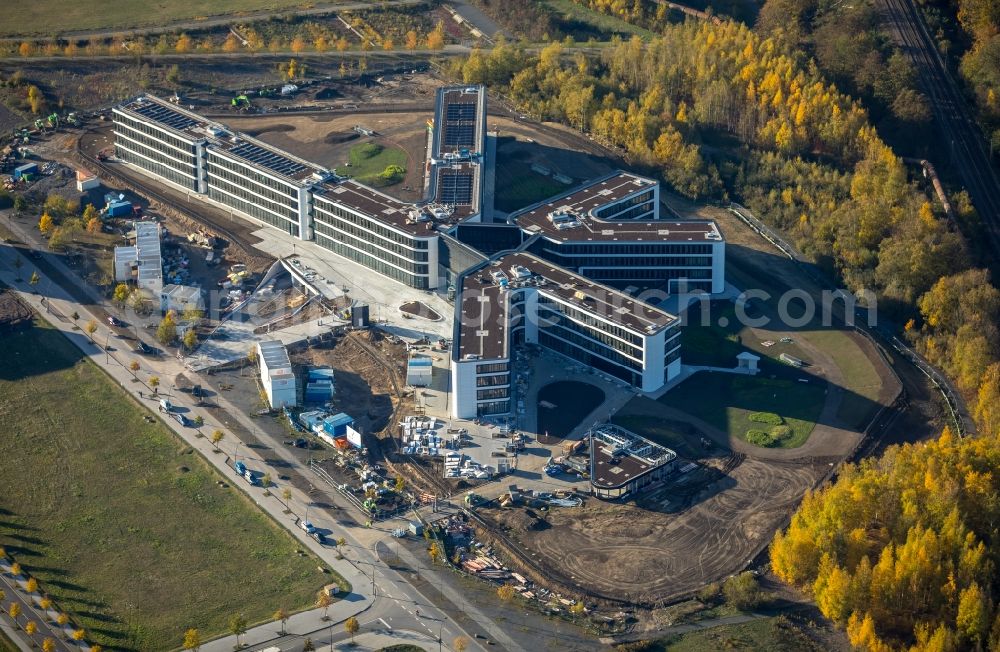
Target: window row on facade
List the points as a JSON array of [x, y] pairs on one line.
[[585, 343], [159, 169], [493, 381], [611, 211], [248, 190], [283, 188], [583, 317], [370, 234], [169, 156], [621, 248], [253, 210], [244, 196], [597, 362], [167, 140], [377, 264], [370, 249], [323, 206], [548, 318]]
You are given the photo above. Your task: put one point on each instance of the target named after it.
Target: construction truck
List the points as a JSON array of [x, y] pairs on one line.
[[72, 120], [54, 121]]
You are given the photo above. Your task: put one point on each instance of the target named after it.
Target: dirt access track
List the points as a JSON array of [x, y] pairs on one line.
[[701, 527]]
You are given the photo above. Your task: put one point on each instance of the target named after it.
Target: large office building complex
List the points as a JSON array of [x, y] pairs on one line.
[[559, 273], [246, 175]]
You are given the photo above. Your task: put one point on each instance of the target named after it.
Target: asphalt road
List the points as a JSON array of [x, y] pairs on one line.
[[45, 620], [401, 598]]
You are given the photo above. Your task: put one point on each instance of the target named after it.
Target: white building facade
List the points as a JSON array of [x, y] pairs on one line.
[[276, 374]]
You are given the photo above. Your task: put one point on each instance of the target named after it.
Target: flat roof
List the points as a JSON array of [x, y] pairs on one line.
[[259, 154], [275, 357], [181, 292], [619, 456], [482, 311], [459, 117], [192, 126], [582, 202], [174, 118], [458, 148], [414, 219]]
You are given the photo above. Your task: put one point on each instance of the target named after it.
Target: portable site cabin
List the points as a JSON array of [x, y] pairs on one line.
[[419, 371]]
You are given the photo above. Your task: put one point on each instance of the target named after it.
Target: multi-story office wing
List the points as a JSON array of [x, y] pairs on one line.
[[520, 298], [610, 230]]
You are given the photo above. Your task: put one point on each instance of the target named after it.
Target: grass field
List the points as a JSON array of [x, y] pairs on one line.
[[859, 404], [128, 529], [774, 634], [369, 159], [517, 186], [6, 645], [48, 17], [602, 23], [726, 401]]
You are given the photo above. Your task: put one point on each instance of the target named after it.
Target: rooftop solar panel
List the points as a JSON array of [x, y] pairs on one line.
[[165, 115], [267, 158], [455, 189], [460, 135], [461, 111]]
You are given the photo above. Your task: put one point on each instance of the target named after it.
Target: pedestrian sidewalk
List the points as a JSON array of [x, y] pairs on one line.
[[58, 303]]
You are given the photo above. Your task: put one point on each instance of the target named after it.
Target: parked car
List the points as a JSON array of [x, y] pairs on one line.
[[114, 321], [142, 347]]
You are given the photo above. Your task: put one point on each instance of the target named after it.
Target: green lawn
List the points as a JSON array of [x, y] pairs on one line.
[[369, 160], [773, 634], [517, 186], [6, 645], [726, 401], [125, 527], [48, 17], [859, 404], [573, 12]]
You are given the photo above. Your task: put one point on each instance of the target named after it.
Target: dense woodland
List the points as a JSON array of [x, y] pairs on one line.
[[901, 550], [980, 19]]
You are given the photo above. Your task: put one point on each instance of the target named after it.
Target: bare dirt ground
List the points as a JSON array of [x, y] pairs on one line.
[[364, 388], [13, 311], [328, 139], [673, 541]]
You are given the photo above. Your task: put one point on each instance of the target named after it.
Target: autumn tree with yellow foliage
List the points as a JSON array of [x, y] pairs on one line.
[[902, 550]]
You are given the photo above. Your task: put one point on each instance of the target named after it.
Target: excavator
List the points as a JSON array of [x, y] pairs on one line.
[[241, 103]]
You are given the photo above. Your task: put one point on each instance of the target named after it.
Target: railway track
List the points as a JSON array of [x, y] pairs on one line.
[[959, 129]]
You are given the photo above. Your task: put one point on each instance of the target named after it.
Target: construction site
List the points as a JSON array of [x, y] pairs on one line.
[[529, 494]]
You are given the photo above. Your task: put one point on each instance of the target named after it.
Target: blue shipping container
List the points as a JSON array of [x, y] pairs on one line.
[[119, 208], [27, 168]]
